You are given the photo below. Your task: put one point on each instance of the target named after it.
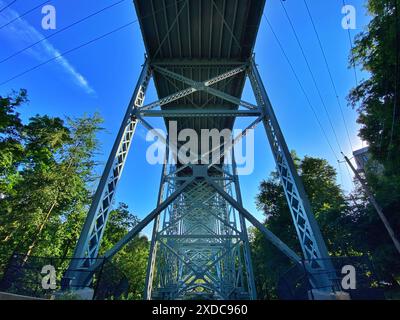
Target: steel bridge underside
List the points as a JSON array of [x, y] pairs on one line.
[[199, 40], [200, 247], [199, 55]]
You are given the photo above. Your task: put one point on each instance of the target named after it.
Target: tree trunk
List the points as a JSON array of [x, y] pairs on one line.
[[41, 227], [33, 244]]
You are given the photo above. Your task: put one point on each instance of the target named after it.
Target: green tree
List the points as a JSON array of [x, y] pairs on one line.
[[376, 50], [329, 207], [72, 173], [46, 183], [53, 163], [11, 149], [132, 259]]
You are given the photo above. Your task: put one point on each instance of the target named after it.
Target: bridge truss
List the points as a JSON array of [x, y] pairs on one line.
[[199, 54]]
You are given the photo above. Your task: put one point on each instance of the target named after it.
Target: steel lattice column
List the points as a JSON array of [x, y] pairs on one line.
[[307, 229], [200, 242], [96, 220]]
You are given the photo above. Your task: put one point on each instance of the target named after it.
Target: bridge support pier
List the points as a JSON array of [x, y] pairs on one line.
[[199, 244]]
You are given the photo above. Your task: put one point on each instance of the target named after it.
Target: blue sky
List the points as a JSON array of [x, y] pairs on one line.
[[100, 78]]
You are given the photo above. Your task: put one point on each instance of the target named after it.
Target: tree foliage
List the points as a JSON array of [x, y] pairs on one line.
[[376, 50], [47, 174], [132, 259], [377, 98], [349, 224], [331, 211]]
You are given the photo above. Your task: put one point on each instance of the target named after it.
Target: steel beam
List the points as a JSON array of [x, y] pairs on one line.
[[190, 63], [206, 85], [308, 232], [194, 86], [243, 227], [153, 245], [139, 227], [187, 113], [279, 244], [169, 99]]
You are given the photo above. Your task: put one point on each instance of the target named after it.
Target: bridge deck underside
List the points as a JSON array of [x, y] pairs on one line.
[[199, 40]]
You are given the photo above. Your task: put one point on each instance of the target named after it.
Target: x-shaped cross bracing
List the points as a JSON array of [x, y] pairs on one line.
[[195, 86]]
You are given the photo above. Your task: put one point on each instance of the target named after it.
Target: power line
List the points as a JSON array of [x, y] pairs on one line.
[[309, 101], [301, 85], [24, 14], [67, 52], [312, 74], [318, 90], [61, 30], [355, 78], [7, 5], [329, 72], [85, 44]]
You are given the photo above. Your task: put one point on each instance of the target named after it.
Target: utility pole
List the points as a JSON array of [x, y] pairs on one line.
[[376, 205]]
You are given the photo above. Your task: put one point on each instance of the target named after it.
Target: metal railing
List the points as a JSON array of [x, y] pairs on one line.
[[44, 277], [352, 275]]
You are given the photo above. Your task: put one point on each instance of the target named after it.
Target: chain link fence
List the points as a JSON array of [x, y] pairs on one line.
[[42, 277]]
